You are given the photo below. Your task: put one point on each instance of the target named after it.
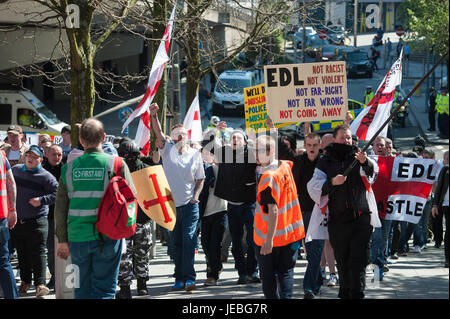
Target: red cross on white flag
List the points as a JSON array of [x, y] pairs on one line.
[[377, 111], [142, 138], [193, 122]]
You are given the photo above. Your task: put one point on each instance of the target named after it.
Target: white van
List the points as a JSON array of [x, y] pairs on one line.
[[229, 91], [25, 109]]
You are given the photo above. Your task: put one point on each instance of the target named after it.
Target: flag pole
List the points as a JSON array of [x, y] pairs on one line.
[[396, 110]]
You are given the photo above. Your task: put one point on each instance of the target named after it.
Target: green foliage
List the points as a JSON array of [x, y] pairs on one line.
[[428, 19]]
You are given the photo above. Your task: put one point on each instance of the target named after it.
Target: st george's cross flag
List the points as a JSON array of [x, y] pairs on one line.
[[402, 186], [377, 111], [193, 122], [142, 138]]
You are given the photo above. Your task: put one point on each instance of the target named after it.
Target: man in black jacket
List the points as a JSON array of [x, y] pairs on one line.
[[349, 222], [236, 183], [441, 202], [53, 164], [136, 259]]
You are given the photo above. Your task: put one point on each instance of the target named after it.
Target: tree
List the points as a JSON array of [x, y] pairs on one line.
[[429, 21], [262, 22]]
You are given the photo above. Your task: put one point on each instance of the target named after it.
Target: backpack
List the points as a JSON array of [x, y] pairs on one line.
[[117, 212]]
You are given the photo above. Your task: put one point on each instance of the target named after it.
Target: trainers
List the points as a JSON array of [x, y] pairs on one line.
[[242, 280], [332, 281], [190, 285], [253, 278], [210, 282], [402, 253], [308, 295], [323, 273], [385, 268], [42, 290], [179, 285], [416, 250], [24, 287], [388, 261], [424, 246], [394, 256]]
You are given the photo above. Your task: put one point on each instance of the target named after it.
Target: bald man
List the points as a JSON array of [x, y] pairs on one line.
[[98, 262]]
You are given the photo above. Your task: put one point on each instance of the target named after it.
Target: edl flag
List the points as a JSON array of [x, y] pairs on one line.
[[372, 117]]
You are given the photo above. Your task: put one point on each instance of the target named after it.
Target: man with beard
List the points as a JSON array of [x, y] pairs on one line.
[[350, 219], [184, 170]]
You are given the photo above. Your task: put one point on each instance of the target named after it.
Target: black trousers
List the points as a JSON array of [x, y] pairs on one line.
[[443, 124], [432, 117], [445, 211], [438, 230], [30, 239], [212, 230], [350, 242]]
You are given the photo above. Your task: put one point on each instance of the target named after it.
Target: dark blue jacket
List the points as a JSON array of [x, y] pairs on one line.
[[37, 183]]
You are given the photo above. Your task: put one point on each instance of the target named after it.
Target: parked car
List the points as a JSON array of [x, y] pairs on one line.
[[358, 63], [298, 36], [330, 52], [354, 107], [228, 94], [338, 35], [314, 45], [23, 108]]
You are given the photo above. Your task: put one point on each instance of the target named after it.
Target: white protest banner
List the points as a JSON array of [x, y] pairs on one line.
[[306, 92], [402, 186]]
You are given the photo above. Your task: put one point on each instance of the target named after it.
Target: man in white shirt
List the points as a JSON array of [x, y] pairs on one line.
[[184, 170], [15, 151]]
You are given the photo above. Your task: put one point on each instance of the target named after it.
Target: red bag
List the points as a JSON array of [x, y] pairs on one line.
[[117, 212]]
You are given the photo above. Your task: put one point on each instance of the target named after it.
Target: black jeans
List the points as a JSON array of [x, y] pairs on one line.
[[212, 230], [240, 216], [437, 228], [30, 239], [51, 247], [280, 263], [445, 210], [350, 242]]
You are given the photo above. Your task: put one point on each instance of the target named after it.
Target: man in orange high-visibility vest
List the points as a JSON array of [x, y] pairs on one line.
[[278, 223]]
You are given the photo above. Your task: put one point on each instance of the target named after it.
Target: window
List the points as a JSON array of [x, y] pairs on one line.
[[6, 111], [27, 117]]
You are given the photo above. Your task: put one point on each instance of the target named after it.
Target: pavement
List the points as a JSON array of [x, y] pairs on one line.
[[416, 276]]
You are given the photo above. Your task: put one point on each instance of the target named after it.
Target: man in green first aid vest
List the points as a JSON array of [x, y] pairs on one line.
[[81, 187], [442, 109]]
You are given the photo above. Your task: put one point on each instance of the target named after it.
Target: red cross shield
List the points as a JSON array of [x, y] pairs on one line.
[[154, 195]]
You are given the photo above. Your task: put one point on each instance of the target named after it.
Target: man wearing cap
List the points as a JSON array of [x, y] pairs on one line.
[[36, 190], [15, 151]]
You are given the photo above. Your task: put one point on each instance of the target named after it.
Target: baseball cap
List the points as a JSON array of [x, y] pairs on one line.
[[16, 129], [65, 129], [37, 150]]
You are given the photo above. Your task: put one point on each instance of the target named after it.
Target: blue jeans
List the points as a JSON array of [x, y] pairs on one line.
[[7, 280], [98, 268], [313, 277], [379, 243], [280, 263], [238, 217], [184, 239], [407, 229], [421, 232]]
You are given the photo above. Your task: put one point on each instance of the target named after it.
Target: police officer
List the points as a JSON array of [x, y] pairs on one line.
[[368, 95], [135, 260], [442, 109]]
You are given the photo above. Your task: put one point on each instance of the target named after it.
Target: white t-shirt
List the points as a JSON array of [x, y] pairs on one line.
[[14, 155], [214, 204], [182, 170]]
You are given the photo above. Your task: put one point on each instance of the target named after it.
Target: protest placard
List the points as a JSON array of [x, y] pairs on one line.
[[255, 109], [306, 92]]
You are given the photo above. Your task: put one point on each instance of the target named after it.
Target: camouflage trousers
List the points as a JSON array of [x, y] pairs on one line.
[[135, 261]]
